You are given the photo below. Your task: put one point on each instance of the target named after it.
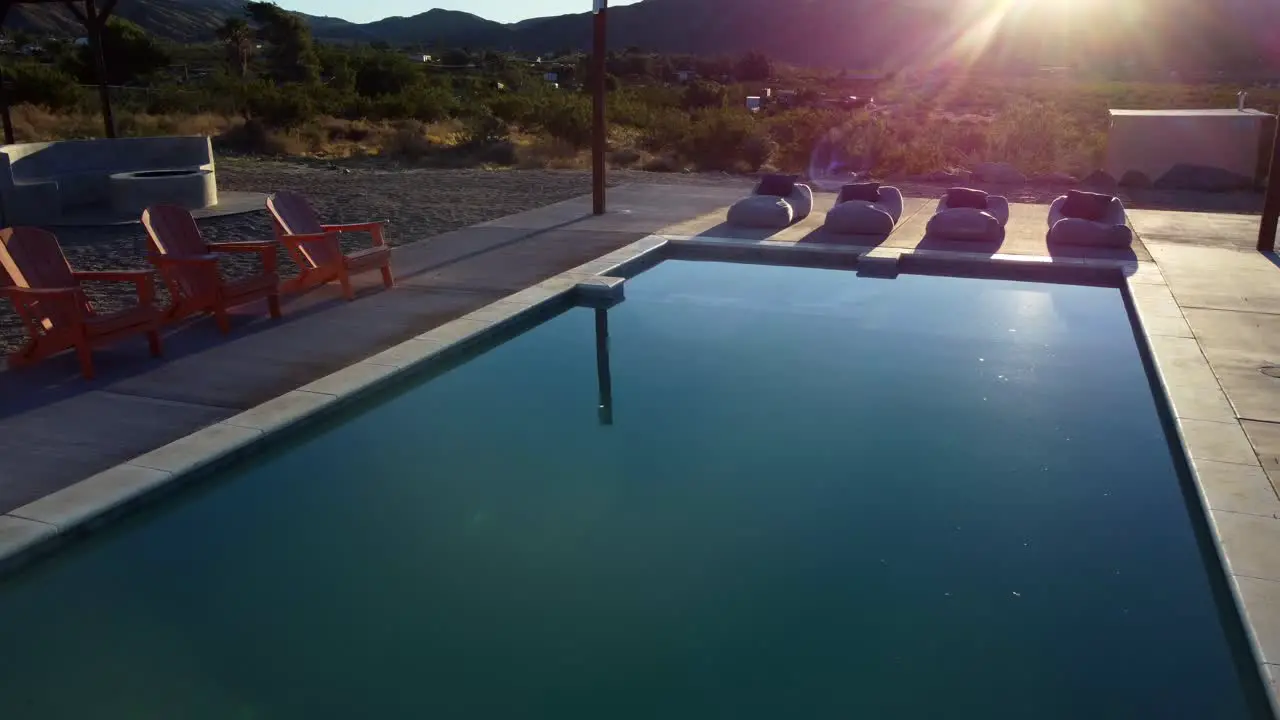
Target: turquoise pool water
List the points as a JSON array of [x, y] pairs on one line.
[[820, 496]]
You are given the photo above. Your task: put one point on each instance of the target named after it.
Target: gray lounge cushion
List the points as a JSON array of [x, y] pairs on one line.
[[771, 211], [967, 223], [859, 217], [761, 211], [1112, 230]]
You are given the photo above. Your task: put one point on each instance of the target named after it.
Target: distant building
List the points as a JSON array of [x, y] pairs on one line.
[[420, 58], [685, 76], [551, 77]]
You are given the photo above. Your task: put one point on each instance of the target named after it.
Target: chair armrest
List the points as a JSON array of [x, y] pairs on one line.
[[307, 237], [354, 227], [111, 275], [231, 247], [37, 293], [265, 250], [373, 228], [34, 305], [141, 279], [206, 259]]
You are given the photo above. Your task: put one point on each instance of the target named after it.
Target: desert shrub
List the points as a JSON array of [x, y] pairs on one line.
[[719, 140], [757, 150], [281, 107], [567, 118], [251, 137], [483, 129], [386, 73], [549, 152], [420, 103], [703, 94], [667, 162], [625, 157], [408, 142], [42, 85]]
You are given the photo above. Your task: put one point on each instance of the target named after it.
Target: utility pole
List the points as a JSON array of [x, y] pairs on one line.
[[1271, 209], [598, 130]]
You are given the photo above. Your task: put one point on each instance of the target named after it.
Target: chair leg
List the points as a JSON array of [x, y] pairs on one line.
[[273, 306], [224, 320], [153, 339], [85, 353], [345, 280], [387, 279]]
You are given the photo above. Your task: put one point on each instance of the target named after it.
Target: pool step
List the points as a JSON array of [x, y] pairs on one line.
[[874, 266], [600, 292]]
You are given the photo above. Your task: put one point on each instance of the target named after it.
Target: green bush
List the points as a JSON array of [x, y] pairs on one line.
[[286, 106], [42, 85], [723, 139], [567, 117]]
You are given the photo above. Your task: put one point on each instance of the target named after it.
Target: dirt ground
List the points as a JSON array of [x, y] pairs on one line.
[[420, 203]]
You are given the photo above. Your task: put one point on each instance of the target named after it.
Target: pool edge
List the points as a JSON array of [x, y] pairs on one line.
[[32, 531], [1147, 312]]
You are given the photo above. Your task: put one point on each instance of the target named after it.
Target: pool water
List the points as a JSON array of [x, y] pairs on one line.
[[820, 496]]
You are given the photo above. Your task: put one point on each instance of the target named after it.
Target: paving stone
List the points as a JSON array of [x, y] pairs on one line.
[[18, 534], [1221, 441], [200, 448], [1204, 401], [1237, 488], [1249, 543], [1261, 600], [282, 411], [82, 502]]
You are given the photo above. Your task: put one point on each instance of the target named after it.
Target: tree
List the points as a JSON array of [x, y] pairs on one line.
[[291, 53], [754, 67], [703, 94], [129, 53], [237, 36], [386, 73]]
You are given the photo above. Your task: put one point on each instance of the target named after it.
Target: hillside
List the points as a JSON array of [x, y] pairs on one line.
[[1147, 34]]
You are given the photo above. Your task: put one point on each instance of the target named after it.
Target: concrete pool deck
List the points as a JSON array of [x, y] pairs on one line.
[[1207, 303]]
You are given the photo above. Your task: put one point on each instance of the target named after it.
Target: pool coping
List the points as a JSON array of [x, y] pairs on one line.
[[1205, 435]]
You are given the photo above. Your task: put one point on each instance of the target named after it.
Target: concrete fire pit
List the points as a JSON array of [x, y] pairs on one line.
[[133, 192]]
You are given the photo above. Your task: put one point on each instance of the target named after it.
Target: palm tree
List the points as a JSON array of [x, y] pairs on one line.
[[236, 34]]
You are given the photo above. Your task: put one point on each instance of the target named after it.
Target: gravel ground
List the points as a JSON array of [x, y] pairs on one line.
[[420, 203]]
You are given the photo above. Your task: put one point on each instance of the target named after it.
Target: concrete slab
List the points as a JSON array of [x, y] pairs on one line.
[[1238, 488], [1261, 600], [53, 445], [1196, 228], [1218, 441], [1249, 543], [88, 499]]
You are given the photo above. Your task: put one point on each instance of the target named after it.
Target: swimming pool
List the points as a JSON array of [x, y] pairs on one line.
[[810, 495]]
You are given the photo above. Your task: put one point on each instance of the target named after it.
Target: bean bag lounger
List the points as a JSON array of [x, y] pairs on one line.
[[1085, 218], [865, 209], [777, 202], [965, 214]]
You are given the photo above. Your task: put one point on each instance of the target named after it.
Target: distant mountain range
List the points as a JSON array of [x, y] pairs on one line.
[[862, 34]]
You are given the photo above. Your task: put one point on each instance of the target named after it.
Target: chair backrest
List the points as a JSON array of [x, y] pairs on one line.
[[31, 258], [173, 232], [293, 215]]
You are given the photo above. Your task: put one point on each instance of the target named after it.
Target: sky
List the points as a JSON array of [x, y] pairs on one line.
[[501, 10]]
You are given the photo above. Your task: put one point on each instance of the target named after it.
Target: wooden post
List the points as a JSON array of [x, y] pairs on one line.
[[599, 131], [4, 91], [95, 25], [4, 110], [604, 377], [1271, 209]]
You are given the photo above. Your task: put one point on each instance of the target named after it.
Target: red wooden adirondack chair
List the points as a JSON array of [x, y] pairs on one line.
[[58, 316], [189, 266], [314, 247]]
